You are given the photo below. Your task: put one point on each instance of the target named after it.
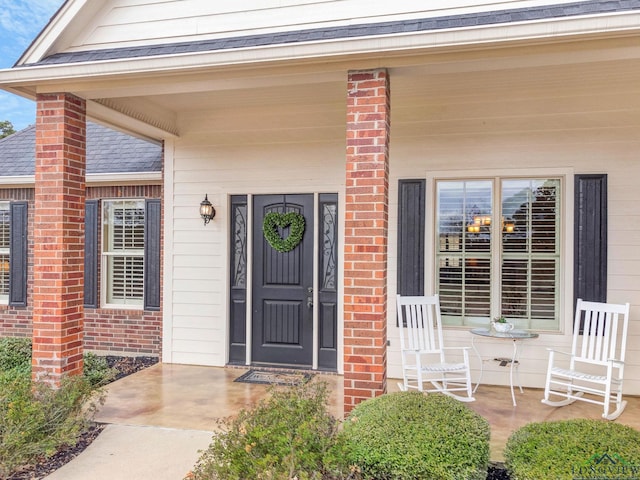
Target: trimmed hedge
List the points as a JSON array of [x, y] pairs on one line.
[[409, 435], [568, 449]]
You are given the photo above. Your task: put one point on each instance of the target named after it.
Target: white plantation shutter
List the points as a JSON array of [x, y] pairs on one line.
[[517, 231], [5, 242], [124, 251], [464, 249], [531, 252]]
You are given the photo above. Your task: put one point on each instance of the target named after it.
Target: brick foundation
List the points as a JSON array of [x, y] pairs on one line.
[[366, 230]]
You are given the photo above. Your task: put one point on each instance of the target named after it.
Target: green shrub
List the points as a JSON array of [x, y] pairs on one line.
[[96, 370], [571, 449], [36, 420], [15, 353], [409, 435], [285, 436]]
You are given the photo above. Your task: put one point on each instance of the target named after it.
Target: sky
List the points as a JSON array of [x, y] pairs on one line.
[[20, 22]]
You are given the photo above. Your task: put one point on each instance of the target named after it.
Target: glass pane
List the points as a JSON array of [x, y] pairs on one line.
[[124, 225], [464, 215], [4, 275], [5, 243], [464, 218], [465, 287], [127, 280], [544, 291], [240, 246], [4, 227], [530, 215], [529, 289], [329, 267], [515, 282]]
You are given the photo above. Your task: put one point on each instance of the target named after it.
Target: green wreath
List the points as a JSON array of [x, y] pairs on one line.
[[273, 220]]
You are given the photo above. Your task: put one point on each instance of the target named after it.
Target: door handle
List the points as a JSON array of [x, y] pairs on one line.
[[309, 297]]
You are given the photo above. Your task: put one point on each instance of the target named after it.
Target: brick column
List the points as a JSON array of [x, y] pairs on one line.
[[366, 230], [58, 263]]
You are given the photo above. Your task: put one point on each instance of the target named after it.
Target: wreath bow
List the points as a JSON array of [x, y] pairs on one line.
[[273, 220]]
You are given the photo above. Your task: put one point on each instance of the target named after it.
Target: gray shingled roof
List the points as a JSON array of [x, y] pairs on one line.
[[363, 30], [108, 151]]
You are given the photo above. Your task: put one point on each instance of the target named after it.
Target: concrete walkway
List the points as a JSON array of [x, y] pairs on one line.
[[159, 419], [126, 452]]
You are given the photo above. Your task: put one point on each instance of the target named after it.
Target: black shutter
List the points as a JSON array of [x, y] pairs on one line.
[[152, 257], [590, 238], [411, 219], [91, 253], [18, 254]]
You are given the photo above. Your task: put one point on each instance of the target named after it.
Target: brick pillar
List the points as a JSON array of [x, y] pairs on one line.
[[58, 264], [366, 230]]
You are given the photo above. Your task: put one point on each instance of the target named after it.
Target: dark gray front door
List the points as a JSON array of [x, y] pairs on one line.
[[282, 324]]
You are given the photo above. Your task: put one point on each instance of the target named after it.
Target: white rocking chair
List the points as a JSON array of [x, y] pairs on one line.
[[423, 353], [595, 365]]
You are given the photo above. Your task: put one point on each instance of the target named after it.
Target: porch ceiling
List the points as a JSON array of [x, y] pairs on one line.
[[594, 83]]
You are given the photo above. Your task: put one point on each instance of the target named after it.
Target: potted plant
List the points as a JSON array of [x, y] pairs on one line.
[[501, 325]]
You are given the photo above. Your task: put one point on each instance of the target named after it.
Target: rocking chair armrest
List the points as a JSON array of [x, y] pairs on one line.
[[456, 348], [616, 362], [551, 350]]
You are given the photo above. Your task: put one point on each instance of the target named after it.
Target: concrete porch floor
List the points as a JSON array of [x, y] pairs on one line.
[[193, 397]]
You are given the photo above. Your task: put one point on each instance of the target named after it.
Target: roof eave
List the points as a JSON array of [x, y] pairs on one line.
[[93, 179], [27, 80]]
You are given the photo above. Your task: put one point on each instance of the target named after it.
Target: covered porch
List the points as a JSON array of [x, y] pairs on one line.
[[193, 397]]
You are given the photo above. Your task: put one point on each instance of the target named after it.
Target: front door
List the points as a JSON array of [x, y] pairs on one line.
[[282, 323]]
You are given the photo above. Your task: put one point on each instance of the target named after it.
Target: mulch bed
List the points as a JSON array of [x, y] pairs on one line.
[[497, 472], [124, 366]]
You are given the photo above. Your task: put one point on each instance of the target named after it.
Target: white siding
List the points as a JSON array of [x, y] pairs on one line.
[[501, 124], [501, 112], [138, 22], [251, 150]]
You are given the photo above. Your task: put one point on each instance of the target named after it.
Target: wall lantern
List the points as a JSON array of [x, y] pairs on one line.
[[207, 212]]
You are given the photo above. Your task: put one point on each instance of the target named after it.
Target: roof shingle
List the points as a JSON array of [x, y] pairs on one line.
[[108, 151], [351, 31]]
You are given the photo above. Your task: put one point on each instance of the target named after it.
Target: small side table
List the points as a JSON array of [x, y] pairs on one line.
[[516, 336]]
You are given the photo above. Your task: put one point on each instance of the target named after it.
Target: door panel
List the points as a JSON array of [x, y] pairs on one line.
[[282, 323]]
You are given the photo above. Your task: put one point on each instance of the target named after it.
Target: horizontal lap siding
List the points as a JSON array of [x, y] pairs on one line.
[[152, 22], [459, 123], [254, 150]]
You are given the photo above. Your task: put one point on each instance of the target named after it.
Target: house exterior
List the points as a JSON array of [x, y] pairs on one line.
[[122, 171], [484, 151]]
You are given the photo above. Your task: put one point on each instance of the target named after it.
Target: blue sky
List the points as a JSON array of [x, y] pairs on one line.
[[20, 22]]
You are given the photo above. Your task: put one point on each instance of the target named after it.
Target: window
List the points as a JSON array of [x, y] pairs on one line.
[[498, 251], [123, 250], [5, 242]]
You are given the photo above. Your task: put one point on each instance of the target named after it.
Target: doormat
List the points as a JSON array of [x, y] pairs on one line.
[[274, 378]]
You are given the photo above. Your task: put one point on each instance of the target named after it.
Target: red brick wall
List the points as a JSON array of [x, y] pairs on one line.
[[16, 321], [366, 230], [116, 332], [58, 233], [123, 332]]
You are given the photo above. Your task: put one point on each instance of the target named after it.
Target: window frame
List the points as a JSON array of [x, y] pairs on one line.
[[564, 238], [106, 254], [6, 251]]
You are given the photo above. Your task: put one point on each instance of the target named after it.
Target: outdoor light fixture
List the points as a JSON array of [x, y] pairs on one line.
[[207, 212]]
